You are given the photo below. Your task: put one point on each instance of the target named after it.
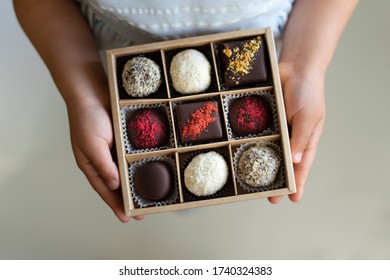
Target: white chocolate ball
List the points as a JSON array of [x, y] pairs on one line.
[[190, 72], [206, 174]]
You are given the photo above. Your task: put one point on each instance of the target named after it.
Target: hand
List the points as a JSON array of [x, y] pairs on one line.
[[305, 109], [92, 139]]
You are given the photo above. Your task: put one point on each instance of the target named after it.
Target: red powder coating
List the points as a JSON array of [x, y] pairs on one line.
[[148, 129], [199, 121], [249, 115]]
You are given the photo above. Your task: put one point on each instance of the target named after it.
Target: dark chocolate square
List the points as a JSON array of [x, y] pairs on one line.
[[189, 113], [257, 69]]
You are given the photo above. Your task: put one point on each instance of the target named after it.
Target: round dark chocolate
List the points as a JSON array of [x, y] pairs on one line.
[[249, 115], [154, 180], [148, 128]]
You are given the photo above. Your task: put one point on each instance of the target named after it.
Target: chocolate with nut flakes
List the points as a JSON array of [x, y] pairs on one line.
[[243, 62]]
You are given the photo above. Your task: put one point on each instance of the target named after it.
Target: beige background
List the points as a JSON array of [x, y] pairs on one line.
[[48, 210]]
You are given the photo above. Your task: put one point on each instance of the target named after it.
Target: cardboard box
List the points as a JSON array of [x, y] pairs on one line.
[[162, 53]]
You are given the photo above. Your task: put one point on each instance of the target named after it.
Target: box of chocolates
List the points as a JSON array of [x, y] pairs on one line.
[[199, 121]]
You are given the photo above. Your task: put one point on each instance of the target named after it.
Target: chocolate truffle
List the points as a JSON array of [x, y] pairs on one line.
[[243, 62], [206, 174], [148, 128], [249, 115], [190, 72], [258, 166], [141, 77], [199, 122], [154, 180]]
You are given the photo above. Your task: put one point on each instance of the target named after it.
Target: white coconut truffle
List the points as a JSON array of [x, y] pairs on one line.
[[258, 166], [141, 77], [190, 72], [206, 174]]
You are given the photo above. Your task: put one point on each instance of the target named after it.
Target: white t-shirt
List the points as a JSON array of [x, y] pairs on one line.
[[119, 23]]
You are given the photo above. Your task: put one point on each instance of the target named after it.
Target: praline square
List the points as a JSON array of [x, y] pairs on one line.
[[199, 122], [243, 62]]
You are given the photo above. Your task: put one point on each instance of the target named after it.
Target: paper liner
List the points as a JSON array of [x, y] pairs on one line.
[[143, 202], [280, 177], [223, 87], [220, 109], [270, 100], [219, 193], [126, 112]]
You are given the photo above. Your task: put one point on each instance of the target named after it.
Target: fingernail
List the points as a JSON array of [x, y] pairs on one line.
[[297, 157]]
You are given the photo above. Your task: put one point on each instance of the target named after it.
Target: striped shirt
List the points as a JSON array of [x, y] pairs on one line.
[[119, 23]]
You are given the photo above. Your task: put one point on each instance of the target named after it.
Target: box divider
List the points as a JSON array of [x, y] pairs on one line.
[[165, 71], [172, 116], [237, 142], [194, 96], [232, 169], [216, 68], [129, 102], [124, 102], [224, 116], [179, 177], [239, 91]]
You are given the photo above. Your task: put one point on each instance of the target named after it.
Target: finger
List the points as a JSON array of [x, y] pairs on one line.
[[112, 198], [275, 199], [138, 218], [304, 162], [303, 125], [301, 170], [98, 153]]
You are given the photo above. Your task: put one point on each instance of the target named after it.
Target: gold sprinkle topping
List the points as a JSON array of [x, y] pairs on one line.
[[240, 61], [227, 52]]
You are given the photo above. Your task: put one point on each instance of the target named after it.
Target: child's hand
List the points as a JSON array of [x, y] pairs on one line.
[[305, 109], [92, 139], [309, 42]]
